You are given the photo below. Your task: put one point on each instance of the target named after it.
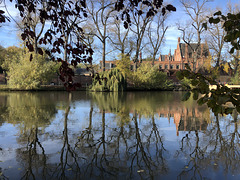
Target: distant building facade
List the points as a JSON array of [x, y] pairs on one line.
[[184, 54]]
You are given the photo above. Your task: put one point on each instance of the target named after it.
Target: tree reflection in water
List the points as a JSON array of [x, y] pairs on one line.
[[122, 137], [215, 149], [122, 149], [30, 113], [69, 159], [146, 160]]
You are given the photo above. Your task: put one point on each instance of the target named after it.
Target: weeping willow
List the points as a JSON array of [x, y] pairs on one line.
[[112, 80]]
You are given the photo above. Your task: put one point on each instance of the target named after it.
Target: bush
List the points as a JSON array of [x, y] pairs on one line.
[[26, 74], [149, 77]]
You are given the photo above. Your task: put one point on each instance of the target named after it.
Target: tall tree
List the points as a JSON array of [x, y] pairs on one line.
[[120, 38], [156, 32], [215, 39], [193, 30], [65, 35], [138, 28], [100, 12]]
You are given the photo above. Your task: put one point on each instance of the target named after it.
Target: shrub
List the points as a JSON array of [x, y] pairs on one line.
[[26, 74], [149, 77]]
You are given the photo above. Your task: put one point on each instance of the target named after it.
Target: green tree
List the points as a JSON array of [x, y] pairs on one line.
[[235, 79], [148, 77], [30, 75]]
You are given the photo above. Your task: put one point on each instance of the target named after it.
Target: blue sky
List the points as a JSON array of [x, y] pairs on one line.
[[8, 31]]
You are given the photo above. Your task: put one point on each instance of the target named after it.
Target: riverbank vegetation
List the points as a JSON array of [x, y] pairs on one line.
[[146, 77]]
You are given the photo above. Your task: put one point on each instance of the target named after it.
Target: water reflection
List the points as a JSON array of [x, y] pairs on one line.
[[131, 135], [218, 150]]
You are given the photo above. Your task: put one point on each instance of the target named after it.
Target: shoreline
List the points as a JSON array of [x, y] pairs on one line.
[[4, 87]]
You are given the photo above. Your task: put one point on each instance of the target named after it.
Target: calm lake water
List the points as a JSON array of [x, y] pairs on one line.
[[133, 135]]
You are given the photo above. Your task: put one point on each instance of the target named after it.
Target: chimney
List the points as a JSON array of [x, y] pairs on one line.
[[178, 40]]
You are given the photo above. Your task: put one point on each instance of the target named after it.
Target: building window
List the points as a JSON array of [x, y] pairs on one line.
[[160, 67], [166, 66], [177, 66], [171, 66]]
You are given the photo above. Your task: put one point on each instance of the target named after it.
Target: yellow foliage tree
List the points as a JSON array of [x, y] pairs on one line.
[[226, 67], [208, 63]]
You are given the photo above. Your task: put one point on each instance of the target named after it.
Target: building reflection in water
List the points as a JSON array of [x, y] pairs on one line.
[[185, 119]]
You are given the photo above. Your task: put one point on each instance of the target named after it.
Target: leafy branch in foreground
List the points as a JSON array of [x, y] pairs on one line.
[[222, 100], [231, 24]]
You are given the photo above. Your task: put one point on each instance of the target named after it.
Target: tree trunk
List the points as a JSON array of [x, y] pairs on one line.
[[103, 55], [154, 57]]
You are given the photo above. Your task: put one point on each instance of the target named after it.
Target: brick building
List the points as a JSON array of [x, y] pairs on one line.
[[183, 54]]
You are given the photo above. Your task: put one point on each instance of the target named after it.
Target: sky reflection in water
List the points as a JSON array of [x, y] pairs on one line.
[[134, 135]]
